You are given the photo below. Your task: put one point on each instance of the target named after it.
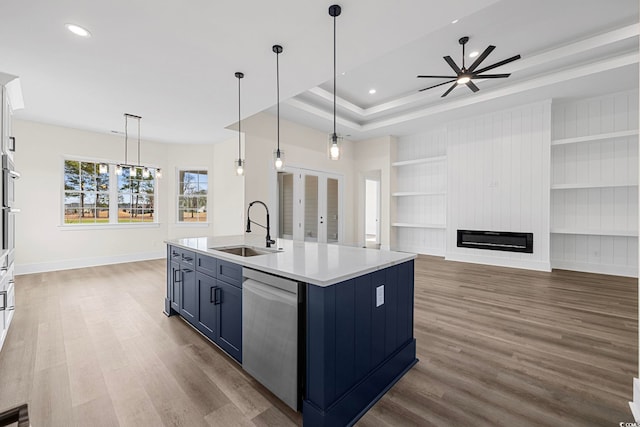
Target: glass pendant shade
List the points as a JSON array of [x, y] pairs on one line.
[[103, 168], [158, 173], [145, 172], [118, 170], [132, 172], [278, 159], [335, 142], [239, 165]]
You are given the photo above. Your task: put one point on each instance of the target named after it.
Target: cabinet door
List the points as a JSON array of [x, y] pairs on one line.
[[188, 295], [174, 280], [209, 294], [230, 320]]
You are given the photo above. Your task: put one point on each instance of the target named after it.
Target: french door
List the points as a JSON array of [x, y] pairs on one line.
[[310, 205]]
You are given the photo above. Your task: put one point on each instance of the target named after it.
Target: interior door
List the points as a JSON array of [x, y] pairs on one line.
[[310, 205]]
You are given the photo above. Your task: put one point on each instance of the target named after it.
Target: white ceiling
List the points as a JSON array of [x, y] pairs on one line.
[[173, 63]]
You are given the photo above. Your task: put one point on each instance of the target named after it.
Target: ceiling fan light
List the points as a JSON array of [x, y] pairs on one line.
[[463, 80]]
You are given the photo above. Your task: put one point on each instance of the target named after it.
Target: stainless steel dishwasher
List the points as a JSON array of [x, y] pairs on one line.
[[270, 335]]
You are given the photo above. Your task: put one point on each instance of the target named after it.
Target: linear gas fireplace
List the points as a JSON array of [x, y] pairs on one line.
[[496, 240]]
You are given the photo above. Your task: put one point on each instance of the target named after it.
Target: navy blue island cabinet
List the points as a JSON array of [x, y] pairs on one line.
[[355, 337], [359, 342], [207, 293]]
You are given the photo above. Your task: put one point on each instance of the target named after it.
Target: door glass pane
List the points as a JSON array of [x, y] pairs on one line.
[[311, 207], [285, 190], [332, 210]]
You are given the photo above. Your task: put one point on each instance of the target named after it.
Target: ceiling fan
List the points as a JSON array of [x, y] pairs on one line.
[[465, 75]]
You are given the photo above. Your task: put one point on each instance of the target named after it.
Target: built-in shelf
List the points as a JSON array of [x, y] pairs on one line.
[[588, 232], [599, 137], [412, 225], [418, 193], [419, 161], [597, 185]]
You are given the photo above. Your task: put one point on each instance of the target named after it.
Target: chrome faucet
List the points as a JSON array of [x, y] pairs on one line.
[[249, 221]]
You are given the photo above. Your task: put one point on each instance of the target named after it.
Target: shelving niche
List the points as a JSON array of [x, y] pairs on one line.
[[419, 196], [594, 185]]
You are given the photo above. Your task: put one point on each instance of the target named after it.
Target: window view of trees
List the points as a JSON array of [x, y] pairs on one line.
[[135, 196], [86, 193], [192, 196]]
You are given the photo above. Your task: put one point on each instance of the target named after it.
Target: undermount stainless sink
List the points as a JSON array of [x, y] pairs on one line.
[[246, 251]]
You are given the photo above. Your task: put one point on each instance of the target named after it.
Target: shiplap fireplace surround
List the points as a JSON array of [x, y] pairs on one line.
[[565, 170]]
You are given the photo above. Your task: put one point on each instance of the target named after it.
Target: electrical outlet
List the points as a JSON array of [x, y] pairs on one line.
[[379, 295]]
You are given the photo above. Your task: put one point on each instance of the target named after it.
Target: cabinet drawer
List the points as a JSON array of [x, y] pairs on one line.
[[182, 256], [206, 265], [230, 273]]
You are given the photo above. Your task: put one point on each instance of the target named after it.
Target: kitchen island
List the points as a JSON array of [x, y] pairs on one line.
[[355, 325]]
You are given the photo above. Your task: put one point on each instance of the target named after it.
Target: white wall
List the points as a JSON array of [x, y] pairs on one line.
[[43, 245], [498, 179], [304, 148], [371, 206], [373, 156]]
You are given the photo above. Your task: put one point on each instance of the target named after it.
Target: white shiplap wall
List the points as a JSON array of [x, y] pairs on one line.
[[420, 193], [594, 192], [498, 179]]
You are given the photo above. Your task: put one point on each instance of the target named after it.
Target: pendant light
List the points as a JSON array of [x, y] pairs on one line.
[[239, 163], [278, 155], [334, 139], [133, 169]]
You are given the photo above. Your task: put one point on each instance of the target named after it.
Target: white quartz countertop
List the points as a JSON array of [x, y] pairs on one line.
[[319, 264]]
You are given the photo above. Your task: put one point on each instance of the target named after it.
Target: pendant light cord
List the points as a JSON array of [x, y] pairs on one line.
[[334, 79], [138, 141], [126, 137], [278, 96], [239, 123]]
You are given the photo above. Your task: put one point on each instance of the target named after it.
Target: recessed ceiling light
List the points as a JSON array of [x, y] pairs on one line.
[[455, 21], [78, 30], [372, 91], [474, 54]]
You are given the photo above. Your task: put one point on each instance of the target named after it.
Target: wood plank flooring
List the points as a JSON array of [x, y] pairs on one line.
[[497, 347]]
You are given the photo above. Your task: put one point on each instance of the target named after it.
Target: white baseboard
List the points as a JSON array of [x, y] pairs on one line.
[[500, 262], [86, 262], [635, 404], [616, 270]]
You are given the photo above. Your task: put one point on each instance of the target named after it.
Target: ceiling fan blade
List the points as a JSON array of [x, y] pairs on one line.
[[498, 64], [481, 58], [472, 86], [437, 77], [452, 64], [491, 76], [440, 84], [449, 90]]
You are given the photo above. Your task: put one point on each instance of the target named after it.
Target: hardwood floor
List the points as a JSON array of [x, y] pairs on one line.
[[497, 346]]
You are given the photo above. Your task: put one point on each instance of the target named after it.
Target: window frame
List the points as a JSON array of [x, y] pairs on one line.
[[113, 194], [178, 194]]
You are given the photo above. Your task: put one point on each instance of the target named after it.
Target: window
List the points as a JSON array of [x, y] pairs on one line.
[[135, 196], [193, 186], [86, 193], [94, 194]]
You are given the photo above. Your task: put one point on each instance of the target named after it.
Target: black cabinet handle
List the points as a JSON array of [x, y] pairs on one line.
[[187, 258], [212, 292], [174, 253], [186, 270], [218, 295], [176, 279], [4, 303], [12, 146]]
